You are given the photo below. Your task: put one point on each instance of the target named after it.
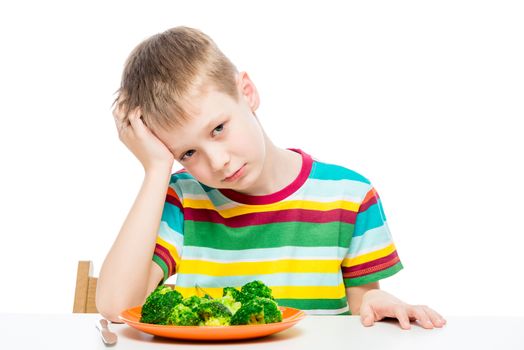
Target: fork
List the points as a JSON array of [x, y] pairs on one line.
[[108, 337], [200, 290]]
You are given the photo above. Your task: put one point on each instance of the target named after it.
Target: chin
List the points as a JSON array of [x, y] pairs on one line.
[[246, 184]]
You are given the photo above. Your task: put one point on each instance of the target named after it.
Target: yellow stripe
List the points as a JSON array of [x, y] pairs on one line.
[[255, 268], [282, 292], [369, 256], [247, 209], [171, 248]]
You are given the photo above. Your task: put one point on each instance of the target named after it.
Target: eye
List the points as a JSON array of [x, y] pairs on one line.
[[187, 154], [218, 129]]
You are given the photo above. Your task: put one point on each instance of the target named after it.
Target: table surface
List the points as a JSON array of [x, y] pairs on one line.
[[77, 331]]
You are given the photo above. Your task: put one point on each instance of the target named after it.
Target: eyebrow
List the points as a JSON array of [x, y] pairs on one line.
[[208, 126]]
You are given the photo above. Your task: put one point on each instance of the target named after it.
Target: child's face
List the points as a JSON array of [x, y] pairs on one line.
[[223, 137]]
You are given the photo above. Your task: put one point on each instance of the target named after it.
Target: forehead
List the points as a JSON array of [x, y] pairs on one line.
[[204, 102]]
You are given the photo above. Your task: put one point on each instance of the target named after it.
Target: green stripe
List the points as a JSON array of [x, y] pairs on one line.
[[308, 304], [300, 234], [162, 265], [374, 277]]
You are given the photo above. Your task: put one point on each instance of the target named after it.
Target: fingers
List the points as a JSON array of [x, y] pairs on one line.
[[426, 317], [135, 118], [376, 306], [122, 123], [137, 123], [119, 118], [401, 314], [367, 316], [418, 313], [437, 319]]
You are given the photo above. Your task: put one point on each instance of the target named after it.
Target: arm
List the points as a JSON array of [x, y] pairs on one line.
[[356, 294], [128, 273], [373, 304]]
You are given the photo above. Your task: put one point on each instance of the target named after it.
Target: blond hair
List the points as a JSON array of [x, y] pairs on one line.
[[163, 70]]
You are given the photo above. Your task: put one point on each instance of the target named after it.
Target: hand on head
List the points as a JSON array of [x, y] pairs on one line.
[[138, 138]]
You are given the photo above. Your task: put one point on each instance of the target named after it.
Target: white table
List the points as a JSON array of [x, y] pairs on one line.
[[77, 331]]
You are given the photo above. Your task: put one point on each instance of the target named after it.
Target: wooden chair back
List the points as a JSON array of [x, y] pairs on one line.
[[85, 291]]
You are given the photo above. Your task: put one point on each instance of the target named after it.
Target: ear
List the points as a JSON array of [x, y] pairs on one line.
[[248, 91]]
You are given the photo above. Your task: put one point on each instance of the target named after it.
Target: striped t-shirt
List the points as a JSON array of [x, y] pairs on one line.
[[309, 241]]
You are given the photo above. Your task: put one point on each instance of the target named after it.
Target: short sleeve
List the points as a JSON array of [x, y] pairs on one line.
[[170, 238], [372, 255]]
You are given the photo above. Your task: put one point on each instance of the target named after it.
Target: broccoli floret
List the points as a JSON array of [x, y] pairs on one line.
[[159, 305], [255, 289], [253, 304], [213, 313], [233, 292], [183, 316], [228, 301], [257, 311], [192, 302]]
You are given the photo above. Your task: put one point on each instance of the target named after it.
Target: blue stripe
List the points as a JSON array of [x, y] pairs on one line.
[[325, 171], [369, 219], [334, 189], [173, 217], [274, 279], [191, 186], [171, 236], [188, 178], [373, 239], [264, 254]]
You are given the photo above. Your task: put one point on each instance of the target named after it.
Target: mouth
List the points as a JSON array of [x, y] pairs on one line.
[[237, 174]]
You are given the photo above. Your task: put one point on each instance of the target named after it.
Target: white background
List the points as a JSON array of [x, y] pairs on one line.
[[423, 98]]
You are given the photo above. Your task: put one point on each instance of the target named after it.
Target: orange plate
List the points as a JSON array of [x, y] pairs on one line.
[[290, 317]]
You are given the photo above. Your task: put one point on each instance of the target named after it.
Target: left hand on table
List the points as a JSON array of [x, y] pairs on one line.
[[378, 304]]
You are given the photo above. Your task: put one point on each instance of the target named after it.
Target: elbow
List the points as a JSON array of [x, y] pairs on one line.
[[111, 311], [110, 305], [111, 316], [108, 310]]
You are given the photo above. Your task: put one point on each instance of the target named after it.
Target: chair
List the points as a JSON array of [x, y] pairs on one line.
[[85, 291]]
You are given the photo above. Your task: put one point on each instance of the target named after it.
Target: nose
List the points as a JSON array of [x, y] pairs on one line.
[[218, 158]]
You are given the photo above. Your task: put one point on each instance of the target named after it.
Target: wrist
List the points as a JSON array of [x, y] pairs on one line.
[[158, 171], [158, 167], [373, 291]]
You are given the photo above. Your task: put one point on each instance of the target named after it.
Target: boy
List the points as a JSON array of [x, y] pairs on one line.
[[242, 208]]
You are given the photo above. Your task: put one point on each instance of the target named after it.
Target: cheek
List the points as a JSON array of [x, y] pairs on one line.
[[199, 172], [242, 143], [251, 137]]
